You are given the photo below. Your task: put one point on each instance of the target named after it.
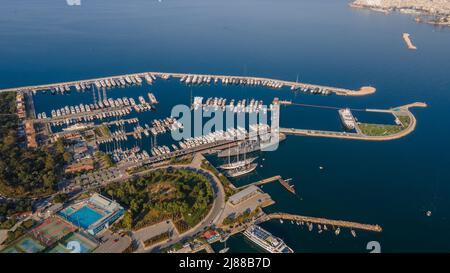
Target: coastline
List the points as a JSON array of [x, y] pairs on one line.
[[441, 15]]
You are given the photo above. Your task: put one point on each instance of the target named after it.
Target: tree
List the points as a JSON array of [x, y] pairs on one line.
[[127, 220]]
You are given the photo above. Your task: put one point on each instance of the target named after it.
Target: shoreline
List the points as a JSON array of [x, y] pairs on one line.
[[439, 18]]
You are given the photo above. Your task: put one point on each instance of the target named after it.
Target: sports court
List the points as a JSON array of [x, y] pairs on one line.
[[25, 245], [52, 230], [86, 245]]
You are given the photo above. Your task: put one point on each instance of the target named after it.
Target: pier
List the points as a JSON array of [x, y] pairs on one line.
[[396, 111], [269, 82], [322, 221], [409, 43], [283, 182]]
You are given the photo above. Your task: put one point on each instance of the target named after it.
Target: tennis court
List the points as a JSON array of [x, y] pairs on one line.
[[25, 245], [52, 230]]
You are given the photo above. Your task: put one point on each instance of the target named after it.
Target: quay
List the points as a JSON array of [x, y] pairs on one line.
[[283, 182], [275, 83], [322, 221], [409, 43]]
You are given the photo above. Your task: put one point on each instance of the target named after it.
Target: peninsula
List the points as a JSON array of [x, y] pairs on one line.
[[435, 12]]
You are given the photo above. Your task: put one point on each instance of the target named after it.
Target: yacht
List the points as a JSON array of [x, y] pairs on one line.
[[266, 240], [347, 118], [240, 171]]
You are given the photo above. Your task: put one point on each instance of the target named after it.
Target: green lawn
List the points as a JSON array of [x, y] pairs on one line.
[[371, 129]]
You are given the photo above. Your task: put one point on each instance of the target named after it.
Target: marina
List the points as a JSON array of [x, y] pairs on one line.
[[337, 172]]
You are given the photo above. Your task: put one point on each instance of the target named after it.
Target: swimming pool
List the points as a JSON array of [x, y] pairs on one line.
[[84, 217]]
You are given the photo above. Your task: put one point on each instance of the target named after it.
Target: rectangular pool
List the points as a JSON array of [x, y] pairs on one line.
[[84, 217]]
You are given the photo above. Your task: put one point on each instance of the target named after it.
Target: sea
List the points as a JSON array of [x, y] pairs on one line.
[[389, 183]]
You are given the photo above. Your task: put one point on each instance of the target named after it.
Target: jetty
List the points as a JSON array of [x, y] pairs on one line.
[[409, 43], [400, 111], [283, 182], [322, 221], [225, 79]]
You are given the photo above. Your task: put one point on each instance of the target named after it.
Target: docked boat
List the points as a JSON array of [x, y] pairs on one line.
[[77, 127], [266, 240], [250, 146], [237, 164], [240, 171], [347, 118]]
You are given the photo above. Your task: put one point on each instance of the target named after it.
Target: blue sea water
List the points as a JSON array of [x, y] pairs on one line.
[[390, 183]]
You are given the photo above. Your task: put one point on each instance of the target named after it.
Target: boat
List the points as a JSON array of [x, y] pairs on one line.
[[347, 118], [224, 250], [337, 231], [237, 164], [250, 146], [240, 171], [77, 127], [266, 240]]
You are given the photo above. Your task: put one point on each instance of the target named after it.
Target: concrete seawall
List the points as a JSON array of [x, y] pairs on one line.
[[366, 90]]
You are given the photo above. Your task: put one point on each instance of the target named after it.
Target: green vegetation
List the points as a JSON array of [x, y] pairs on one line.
[[405, 120], [228, 187], [181, 225], [8, 211], [163, 194], [104, 159], [19, 231], [185, 160], [102, 131], [156, 239], [25, 172], [61, 198], [384, 129]]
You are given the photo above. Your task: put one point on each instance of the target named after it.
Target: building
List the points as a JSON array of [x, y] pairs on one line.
[[244, 195], [51, 210], [211, 235], [93, 214], [20, 105]]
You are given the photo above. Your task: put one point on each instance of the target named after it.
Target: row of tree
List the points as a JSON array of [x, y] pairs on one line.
[[26, 172]]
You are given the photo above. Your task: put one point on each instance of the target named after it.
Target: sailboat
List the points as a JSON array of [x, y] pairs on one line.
[[243, 168], [239, 163], [225, 248]]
